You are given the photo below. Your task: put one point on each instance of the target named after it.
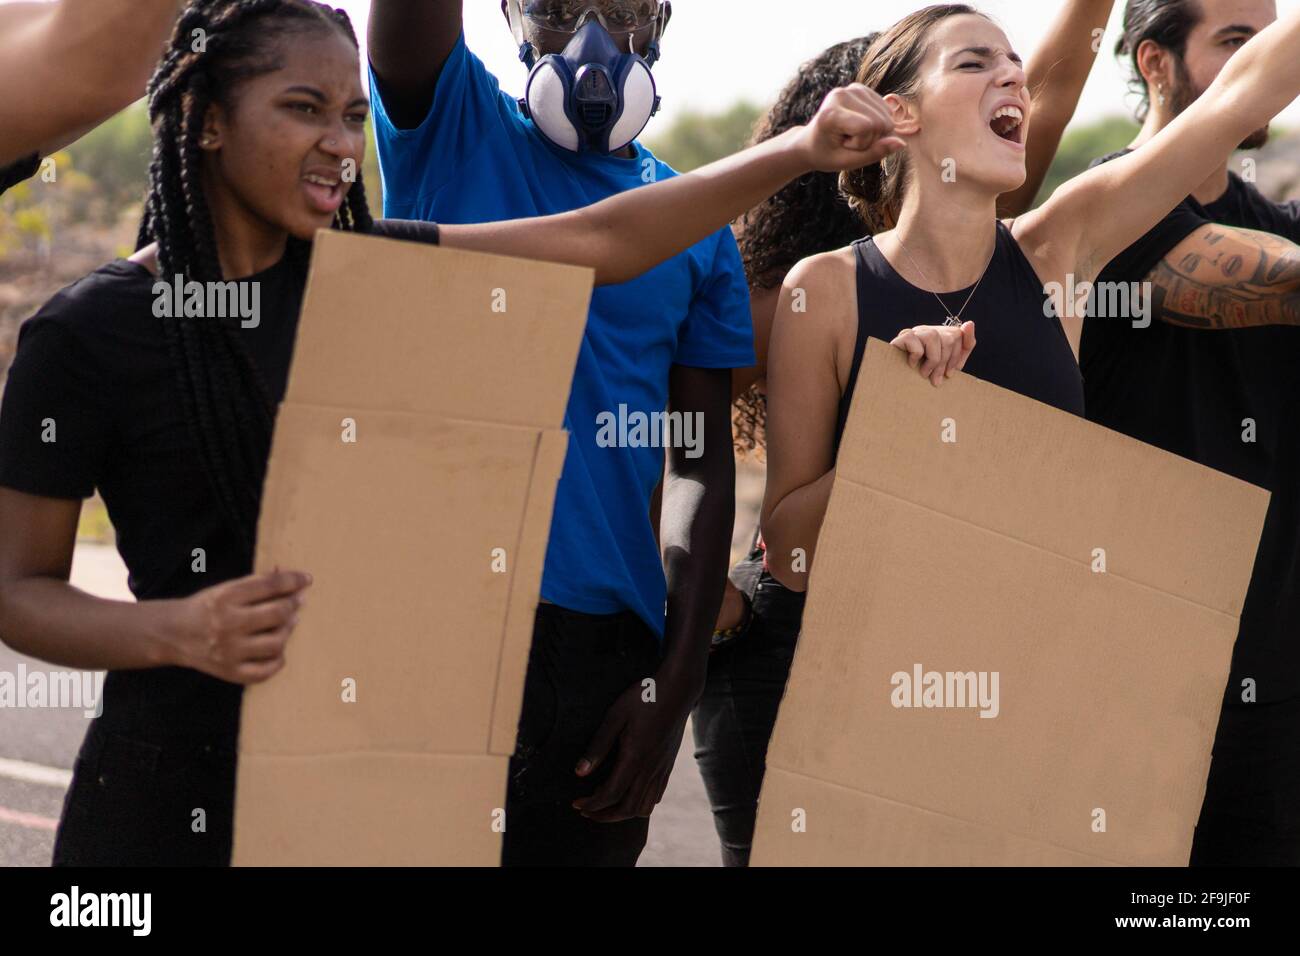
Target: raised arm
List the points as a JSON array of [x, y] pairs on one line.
[[1058, 70], [409, 42], [1222, 277], [1095, 216], [67, 66], [628, 234]]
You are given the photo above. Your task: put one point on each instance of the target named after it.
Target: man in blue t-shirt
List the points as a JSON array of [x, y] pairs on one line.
[[622, 635]]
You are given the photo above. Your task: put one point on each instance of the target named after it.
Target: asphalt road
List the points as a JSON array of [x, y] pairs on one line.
[[38, 747]]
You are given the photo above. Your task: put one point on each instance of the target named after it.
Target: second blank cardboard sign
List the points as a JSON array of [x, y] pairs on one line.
[[413, 473], [974, 536]]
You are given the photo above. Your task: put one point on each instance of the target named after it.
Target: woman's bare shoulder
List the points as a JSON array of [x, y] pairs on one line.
[[821, 291], [147, 257]]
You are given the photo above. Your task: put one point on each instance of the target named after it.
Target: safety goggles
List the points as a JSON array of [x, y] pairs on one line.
[[618, 17]]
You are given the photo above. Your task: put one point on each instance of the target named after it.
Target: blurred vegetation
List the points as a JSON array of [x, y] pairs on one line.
[[29, 213], [696, 139], [95, 182], [93, 524], [1081, 145], [116, 156]]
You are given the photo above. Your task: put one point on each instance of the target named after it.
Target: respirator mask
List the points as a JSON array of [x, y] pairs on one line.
[[598, 94]]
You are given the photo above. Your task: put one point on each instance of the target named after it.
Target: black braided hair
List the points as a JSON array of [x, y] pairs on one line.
[[228, 405], [806, 217]]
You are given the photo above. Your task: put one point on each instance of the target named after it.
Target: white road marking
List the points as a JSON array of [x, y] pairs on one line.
[[26, 772]]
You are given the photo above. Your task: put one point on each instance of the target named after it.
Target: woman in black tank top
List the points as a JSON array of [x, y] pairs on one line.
[[957, 96], [1022, 345], [758, 623]]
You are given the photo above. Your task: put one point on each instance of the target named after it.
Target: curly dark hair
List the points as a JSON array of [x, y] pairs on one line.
[[228, 405], [807, 217]]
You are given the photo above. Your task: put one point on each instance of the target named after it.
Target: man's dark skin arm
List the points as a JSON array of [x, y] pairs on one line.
[[699, 494], [410, 41], [1223, 277]]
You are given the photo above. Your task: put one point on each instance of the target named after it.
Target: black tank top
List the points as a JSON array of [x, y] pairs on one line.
[[1018, 346]]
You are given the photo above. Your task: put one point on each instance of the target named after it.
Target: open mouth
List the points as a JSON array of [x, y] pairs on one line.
[[1007, 124], [324, 192]]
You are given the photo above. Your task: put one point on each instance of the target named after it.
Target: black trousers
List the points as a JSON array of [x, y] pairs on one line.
[[1251, 814], [148, 802], [734, 717], [578, 666]]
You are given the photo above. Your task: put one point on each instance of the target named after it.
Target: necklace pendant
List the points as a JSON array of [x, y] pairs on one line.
[[952, 320]]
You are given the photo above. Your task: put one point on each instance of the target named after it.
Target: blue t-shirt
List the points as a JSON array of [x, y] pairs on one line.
[[475, 158]]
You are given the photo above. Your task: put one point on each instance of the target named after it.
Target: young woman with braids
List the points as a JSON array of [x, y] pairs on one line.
[[760, 619], [258, 117]]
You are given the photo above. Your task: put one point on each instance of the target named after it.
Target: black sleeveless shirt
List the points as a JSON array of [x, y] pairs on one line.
[[1020, 344]]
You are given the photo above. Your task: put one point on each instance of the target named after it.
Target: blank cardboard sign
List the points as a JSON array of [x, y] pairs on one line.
[[413, 472], [1016, 640]]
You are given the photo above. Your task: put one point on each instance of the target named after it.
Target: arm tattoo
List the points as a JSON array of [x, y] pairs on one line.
[[1228, 279]]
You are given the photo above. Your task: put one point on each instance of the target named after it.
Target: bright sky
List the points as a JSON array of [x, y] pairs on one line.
[[719, 51]]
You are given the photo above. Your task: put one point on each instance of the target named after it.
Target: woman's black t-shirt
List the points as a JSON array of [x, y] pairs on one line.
[[92, 403], [1021, 347]]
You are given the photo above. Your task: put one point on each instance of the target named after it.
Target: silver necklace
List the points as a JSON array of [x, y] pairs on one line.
[[951, 320]]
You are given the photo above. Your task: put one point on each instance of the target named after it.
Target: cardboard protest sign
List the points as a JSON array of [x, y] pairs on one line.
[[1016, 640], [413, 474]]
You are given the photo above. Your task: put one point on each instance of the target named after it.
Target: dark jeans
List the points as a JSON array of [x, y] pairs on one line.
[[578, 666], [132, 802], [1251, 814], [734, 718]]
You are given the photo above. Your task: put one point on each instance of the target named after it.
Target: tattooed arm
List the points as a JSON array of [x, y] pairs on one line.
[[1221, 277]]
